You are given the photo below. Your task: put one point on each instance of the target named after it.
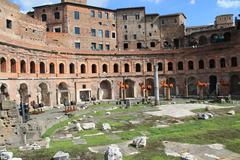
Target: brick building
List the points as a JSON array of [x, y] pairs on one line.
[[77, 52]]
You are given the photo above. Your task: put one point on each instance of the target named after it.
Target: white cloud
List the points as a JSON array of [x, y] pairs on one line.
[[192, 1], [228, 3], [99, 3]]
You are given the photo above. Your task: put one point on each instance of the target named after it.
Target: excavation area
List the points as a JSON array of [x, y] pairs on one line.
[[171, 131]]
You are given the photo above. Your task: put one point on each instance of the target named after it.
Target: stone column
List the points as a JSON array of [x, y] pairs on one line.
[[156, 85]]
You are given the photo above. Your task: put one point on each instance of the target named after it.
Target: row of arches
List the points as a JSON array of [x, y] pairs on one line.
[[214, 38]]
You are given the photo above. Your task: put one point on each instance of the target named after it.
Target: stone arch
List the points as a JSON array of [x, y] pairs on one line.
[[23, 68], [4, 94], [149, 67], [64, 93], [83, 68], [61, 68], [13, 64], [126, 67], [192, 86], [52, 68], [173, 89], [227, 36], [3, 64], [32, 67], [42, 68], [150, 82], [115, 68], [130, 90], [138, 67], [71, 68], [105, 68], [235, 85], [45, 95], [94, 68], [212, 63], [23, 91], [213, 85], [203, 40], [106, 90]]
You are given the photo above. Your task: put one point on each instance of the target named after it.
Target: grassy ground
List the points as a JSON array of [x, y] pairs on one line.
[[222, 129]]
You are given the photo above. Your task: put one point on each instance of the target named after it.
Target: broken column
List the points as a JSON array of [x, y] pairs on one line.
[[156, 85]]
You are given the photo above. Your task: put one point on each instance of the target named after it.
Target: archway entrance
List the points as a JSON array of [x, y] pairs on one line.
[[212, 85], [192, 86], [23, 91], [130, 90], [106, 90], [235, 85], [45, 95], [63, 90], [4, 95], [150, 83]]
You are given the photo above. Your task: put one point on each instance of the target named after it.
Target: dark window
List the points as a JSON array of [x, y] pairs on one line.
[[150, 34], [32, 67], [100, 47], [212, 63], [84, 86], [57, 15], [115, 68], [13, 66], [92, 13], [93, 46], [61, 68], [124, 17], [160, 66], [163, 22], [77, 30], [180, 66], [139, 45], [83, 68], [94, 68], [99, 14], [137, 16], [107, 33], [125, 26], [170, 66], [222, 62], [126, 67], [190, 65], [139, 26], [93, 32], [126, 37], [105, 68], [42, 68], [44, 17], [135, 36], [152, 44], [234, 62], [52, 68], [76, 15], [23, 66], [138, 67], [125, 45], [107, 47], [77, 45], [149, 67], [3, 64], [9, 24], [201, 64], [113, 35], [58, 30], [72, 68]]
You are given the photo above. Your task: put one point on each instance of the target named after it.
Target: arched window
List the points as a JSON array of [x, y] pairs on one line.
[[190, 65], [13, 66], [234, 62], [180, 66], [160, 66], [32, 67], [104, 68], [52, 68], [23, 66], [170, 66], [212, 63], [42, 68], [115, 68], [149, 67], [94, 68], [201, 64], [83, 68], [44, 17], [3, 64], [138, 67], [222, 62], [61, 68], [126, 67], [72, 68]]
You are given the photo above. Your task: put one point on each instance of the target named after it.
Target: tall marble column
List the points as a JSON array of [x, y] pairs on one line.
[[156, 85]]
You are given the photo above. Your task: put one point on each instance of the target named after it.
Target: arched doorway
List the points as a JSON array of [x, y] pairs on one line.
[[4, 95], [130, 90], [23, 91], [192, 86], [235, 85], [63, 90], [106, 90], [212, 85], [45, 95], [150, 83], [173, 89]]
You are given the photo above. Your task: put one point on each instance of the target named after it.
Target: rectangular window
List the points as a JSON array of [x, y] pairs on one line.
[[92, 13], [9, 24], [124, 17], [113, 15], [57, 29], [106, 15], [93, 32], [107, 33], [125, 26], [76, 15], [100, 47], [100, 33], [99, 14], [57, 15], [107, 47], [137, 16], [125, 45], [93, 46], [126, 37], [139, 26], [77, 30], [77, 45], [135, 36], [113, 35]]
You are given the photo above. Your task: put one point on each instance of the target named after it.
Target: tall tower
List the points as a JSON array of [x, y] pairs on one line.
[[75, 1]]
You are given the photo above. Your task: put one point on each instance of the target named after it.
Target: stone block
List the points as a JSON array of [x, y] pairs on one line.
[[8, 105]]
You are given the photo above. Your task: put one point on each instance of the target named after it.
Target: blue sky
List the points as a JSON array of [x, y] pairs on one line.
[[198, 12]]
